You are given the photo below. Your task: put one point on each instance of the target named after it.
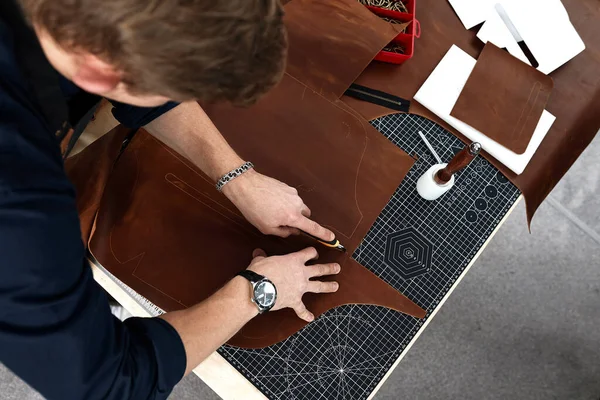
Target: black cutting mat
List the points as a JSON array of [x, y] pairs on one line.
[[419, 247]]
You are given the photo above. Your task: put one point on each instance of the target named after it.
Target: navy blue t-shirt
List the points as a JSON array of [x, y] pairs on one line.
[[56, 328]]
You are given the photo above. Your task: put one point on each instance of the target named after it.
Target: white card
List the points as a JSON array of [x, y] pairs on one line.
[[472, 12], [544, 25], [546, 29], [441, 91], [495, 31]]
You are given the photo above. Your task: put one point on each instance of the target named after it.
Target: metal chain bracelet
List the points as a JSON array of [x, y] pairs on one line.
[[231, 175]]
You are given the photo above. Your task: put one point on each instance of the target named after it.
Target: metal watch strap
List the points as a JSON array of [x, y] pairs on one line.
[[231, 175], [253, 277]]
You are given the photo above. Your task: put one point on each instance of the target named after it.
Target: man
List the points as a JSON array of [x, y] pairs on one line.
[[56, 330]]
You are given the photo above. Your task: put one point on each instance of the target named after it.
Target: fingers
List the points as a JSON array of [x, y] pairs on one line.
[[303, 313], [310, 253], [311, 227], [322, 287], [294, 231], [305, 211], [259, 253], [314, 271], [283, 231]]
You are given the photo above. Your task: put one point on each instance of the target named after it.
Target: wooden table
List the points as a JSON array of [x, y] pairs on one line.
[[217, 373]]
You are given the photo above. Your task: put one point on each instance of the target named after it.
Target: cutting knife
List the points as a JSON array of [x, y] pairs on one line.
[[334, 244]]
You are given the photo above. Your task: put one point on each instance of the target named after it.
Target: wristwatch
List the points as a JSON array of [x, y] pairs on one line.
[[264, 292]]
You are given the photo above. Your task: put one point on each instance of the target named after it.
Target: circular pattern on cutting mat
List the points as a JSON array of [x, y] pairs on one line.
[[491, 191], [328, 357], [481, 204], [408, 252], [471, 216], [501, 178]]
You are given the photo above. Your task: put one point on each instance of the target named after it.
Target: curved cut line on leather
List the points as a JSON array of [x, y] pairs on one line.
[[358, 208]]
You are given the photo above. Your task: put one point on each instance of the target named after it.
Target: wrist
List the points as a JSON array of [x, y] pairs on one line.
[[237, 186], [223, 166], [243, 291]]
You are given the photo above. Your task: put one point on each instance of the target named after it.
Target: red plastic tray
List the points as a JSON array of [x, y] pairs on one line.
[[405, 39]]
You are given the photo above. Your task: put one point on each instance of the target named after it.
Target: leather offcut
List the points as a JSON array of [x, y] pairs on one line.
[[332, 42], [503, 98]]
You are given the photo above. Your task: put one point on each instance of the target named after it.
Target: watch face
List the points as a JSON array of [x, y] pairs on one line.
[[265, 294]]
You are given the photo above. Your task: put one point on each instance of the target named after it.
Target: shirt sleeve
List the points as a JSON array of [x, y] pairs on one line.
[[56, 328], [137, 117]]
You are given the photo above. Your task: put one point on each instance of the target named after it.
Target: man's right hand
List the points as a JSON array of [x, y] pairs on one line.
[[292, 278]]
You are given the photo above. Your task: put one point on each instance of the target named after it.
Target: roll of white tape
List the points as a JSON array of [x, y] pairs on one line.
[[428, 188]]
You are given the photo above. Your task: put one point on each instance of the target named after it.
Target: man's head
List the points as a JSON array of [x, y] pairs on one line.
[[145, 52]]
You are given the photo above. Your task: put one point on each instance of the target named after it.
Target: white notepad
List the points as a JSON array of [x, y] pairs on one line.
[[544, 25], [441, 91]]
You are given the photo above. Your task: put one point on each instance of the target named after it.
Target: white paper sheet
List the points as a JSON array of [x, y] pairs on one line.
[[472, 12], [547, 31], [495, 31], [544, 25], [441, 91]]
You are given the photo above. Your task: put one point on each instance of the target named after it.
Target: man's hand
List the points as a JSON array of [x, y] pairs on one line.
[[292, 278], [272, 206]]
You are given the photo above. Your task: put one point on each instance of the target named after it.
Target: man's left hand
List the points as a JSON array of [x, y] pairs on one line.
[[272, 206]]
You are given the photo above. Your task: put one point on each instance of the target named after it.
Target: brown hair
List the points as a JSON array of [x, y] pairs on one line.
[[206, 50]]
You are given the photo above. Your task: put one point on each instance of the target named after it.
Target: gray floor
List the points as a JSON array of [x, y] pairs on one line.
[[524, 323]]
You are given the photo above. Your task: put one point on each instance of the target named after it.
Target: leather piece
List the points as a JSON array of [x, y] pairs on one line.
[[575, 100], [358, 285], [325, 51], [164, 230], [330, 149], [503, 98], [89, 171]]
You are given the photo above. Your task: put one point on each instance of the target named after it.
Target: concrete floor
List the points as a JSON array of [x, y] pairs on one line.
[[523, 324]]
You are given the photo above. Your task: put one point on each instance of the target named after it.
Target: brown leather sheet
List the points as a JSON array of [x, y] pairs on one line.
[[332, 42], [330, 148], [504, 98], [89, 171], [166, 232], [575, 100]]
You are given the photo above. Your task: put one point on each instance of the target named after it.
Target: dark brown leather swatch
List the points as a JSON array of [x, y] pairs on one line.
[[331, 42], [575, 100], [503, 98], [322, 148], [164, 230], [89, 171]]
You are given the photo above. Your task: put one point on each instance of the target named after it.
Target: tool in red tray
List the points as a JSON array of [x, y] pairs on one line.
[[402, 47]]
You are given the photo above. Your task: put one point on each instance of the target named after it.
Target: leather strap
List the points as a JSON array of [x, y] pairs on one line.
[[252, 276]]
